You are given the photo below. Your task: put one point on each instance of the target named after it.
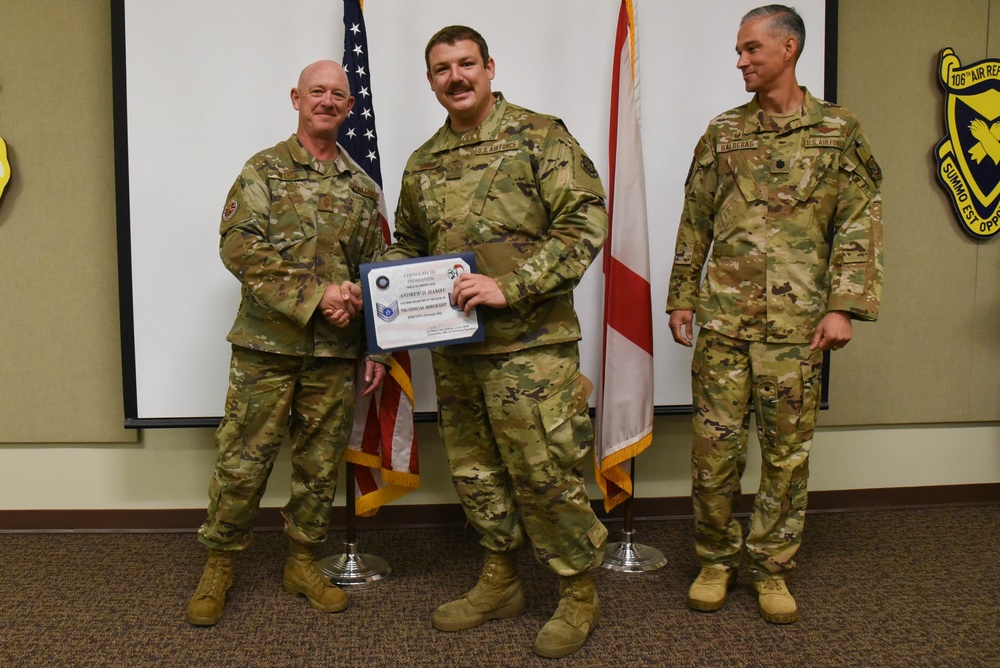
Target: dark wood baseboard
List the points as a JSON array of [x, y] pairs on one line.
[[414, 516]]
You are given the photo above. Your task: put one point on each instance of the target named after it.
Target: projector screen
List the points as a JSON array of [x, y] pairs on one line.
[[200, 86]]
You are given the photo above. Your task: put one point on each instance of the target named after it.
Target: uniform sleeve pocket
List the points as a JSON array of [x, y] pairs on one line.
[[856, 252], [283, 242]]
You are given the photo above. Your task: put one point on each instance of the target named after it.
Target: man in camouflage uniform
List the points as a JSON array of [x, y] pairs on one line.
[[297, 223], [514, 187], [782, 201]]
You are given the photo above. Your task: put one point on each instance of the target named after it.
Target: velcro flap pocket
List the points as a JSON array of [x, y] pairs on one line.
[[856, 251], [565, 403], [485, 184]]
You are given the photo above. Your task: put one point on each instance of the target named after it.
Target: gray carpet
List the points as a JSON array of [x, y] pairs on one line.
[[875, 588]]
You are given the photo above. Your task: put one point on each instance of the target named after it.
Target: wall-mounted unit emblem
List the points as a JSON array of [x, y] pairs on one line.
[[968, 158]]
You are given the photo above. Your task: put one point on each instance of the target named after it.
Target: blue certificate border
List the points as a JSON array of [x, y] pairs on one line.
[[366, 268]]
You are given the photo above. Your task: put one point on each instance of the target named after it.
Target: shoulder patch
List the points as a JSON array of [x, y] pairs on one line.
[[874, 169], [865, 153], [232, 206], [588, 166]]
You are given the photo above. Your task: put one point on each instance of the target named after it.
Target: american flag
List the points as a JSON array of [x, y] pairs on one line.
[[358, 134], [383, 445]]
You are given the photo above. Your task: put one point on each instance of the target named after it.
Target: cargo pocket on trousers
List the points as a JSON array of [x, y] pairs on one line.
[[766, 405], [230, 434], [812, 381], [778, 407], [565, 416]]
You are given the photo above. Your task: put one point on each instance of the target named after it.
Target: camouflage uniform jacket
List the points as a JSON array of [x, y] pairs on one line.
[[292, 226], [520, 192], [793, 218]]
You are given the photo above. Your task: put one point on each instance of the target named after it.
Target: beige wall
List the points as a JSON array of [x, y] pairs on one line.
[[934, 355], [932, 359], [60, 357]]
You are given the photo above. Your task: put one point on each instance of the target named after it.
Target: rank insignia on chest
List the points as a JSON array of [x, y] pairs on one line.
[[454, 170], [779, 165], [324, 203]]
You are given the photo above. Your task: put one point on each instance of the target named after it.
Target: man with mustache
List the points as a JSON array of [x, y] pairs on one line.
[[783, 212], [297, 223], [514, 187]]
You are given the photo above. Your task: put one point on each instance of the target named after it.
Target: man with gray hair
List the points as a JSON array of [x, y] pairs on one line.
[[782, 210]]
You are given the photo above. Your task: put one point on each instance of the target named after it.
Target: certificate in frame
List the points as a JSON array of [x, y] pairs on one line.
[[407, 303]]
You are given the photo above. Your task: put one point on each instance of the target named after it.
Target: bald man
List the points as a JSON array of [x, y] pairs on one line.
[[296, 225]]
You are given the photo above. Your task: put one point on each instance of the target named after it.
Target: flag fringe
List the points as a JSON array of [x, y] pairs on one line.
[[397, 483], [609, 471]]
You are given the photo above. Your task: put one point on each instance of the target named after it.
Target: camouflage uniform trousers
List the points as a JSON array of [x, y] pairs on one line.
[[516, 428], [271, 395], [784, 381]]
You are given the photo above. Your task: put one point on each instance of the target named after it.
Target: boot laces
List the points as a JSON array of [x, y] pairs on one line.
[[311, 572], [212, 580]]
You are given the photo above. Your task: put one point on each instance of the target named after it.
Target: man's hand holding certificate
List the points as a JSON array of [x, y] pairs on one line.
[[411, 303]]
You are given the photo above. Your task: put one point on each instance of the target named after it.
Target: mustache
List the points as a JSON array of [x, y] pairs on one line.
[[458, 88]]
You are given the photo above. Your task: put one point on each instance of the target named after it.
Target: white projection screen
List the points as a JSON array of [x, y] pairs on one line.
[[201, 85]]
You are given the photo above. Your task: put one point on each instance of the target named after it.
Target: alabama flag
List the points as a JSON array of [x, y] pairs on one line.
[[625, 399]]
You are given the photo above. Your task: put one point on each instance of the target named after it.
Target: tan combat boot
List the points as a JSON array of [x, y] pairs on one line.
[[303, 576], [497, 595], [573, 620], [205, 609], [775, 603], [708, 591]]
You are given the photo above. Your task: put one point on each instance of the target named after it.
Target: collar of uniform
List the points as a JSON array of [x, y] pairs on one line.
[[301, 155], [489, 129], [812, 113]]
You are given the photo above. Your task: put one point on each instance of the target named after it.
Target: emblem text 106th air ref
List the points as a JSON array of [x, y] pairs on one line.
[[968, 158]]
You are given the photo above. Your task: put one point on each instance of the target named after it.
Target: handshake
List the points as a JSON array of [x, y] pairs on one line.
[[340, 303]]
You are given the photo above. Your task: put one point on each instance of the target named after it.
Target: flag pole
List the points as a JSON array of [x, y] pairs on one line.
[[627, 556], [351, 569]]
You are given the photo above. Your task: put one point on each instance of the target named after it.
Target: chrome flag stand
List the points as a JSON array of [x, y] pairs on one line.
[[351, 569], [628, 556]]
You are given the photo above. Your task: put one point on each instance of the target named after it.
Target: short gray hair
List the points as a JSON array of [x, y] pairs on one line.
[[783, 20]]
